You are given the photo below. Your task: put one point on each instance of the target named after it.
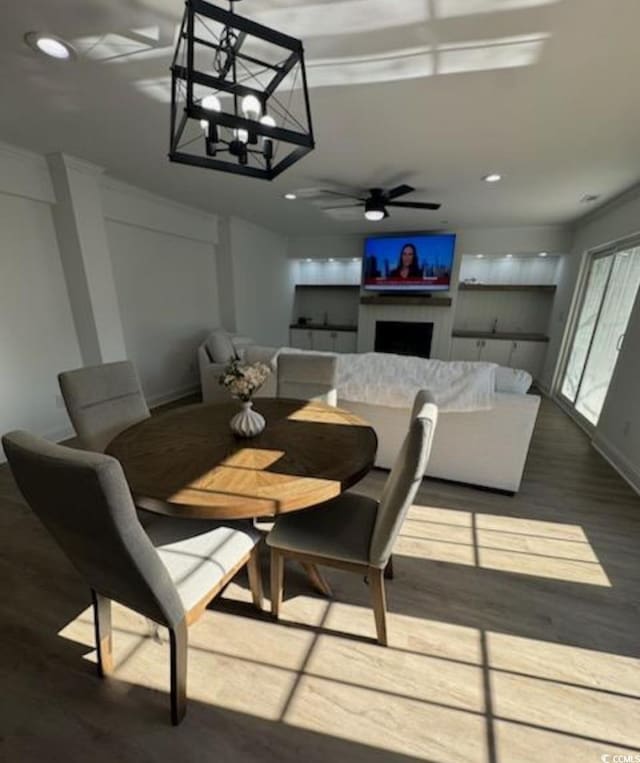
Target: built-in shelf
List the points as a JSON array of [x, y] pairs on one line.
[[388, 299], [322, 327], [517, 336], [327, 286], [549, 288]]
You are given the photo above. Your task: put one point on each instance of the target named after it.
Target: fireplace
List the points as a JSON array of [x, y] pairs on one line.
[[404, 338]]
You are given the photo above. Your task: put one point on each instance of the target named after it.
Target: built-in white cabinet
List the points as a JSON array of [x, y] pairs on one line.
[[487, 350], [528, 355], [301, 338], [466, 349], [345, 341], [323, 340]]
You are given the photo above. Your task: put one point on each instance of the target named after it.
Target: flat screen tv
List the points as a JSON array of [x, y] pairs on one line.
[[421, 262]]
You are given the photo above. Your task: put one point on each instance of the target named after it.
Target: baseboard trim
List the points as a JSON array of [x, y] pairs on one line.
[[170, 397], [58, 435], [613, 456]]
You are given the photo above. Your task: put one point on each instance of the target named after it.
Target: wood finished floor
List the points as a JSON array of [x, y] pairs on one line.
[[514, 636]]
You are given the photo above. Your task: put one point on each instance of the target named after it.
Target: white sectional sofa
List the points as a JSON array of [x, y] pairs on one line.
[[487, 448]]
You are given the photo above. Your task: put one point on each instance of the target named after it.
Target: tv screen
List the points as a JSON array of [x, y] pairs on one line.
[[413, 263]]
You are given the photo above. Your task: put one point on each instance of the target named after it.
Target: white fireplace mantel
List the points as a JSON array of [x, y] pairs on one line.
[[441, 317]]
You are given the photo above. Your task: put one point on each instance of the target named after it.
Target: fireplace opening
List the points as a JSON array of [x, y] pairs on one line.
[[404, 338]]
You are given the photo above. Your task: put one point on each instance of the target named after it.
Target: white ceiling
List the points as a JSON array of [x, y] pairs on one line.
[[436, 93]]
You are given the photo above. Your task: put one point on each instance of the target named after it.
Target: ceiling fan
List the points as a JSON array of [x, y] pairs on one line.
[[376, 200]]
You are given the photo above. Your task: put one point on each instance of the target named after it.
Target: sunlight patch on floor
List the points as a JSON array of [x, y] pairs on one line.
[[553, 550], [396, 724], [563, 663]]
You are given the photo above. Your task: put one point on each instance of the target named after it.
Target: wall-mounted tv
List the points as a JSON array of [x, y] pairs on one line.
[[421, 262]]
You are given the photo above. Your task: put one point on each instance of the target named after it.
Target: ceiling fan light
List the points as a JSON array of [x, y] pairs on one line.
[[374, 210]]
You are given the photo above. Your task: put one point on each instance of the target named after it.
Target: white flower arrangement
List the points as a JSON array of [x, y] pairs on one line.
[[243, 379]]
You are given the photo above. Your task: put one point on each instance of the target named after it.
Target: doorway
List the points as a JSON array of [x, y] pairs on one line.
[[611, 287]]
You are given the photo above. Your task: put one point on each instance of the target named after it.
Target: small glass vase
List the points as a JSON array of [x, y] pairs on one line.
[[247, 423]]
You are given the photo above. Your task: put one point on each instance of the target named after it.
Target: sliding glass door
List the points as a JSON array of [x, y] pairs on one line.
[[611, 288]]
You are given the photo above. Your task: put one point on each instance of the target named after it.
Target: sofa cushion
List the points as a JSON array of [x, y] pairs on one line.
[[257, 353], [220, 346], [513, 380]]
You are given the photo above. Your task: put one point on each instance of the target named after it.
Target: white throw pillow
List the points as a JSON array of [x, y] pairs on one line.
[[240, 344], [220, 346], [513, 380]]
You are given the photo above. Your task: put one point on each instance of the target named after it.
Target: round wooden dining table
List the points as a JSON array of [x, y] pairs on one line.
[[186, 462]]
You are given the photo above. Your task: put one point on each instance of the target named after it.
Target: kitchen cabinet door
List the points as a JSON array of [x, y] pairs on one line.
[[465, 349], [322, 340], [496, 351], [346, 341], [528, 356], [301, 338]]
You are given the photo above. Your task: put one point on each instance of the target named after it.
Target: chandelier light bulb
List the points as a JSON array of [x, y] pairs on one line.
[[211, 103], [241, 135], [251, 107], [204, 124]]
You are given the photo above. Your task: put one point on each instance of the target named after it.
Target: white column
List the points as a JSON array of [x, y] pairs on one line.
[[86, 260]]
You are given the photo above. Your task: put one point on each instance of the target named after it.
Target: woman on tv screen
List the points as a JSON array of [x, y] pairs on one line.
[[408, 264]]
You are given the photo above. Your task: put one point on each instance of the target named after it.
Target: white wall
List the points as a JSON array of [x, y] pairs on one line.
[[37, 336], [164, 262], [263, 282], [166, 296], [618, 431]]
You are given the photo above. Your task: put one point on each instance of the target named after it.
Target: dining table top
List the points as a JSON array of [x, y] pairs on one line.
[[187, 462]]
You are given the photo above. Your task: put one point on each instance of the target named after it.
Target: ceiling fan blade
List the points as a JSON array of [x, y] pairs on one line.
[[399, 190], [414, 204], [344, 206], [354, 195]]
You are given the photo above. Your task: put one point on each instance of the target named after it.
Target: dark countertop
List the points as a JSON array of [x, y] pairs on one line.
[[507, 335], [323, 327]]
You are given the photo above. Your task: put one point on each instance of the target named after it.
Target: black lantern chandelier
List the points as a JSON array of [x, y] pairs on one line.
[[239, 97]]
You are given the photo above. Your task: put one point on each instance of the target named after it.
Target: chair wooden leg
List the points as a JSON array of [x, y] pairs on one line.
[[318, 580], [178, 642], [388, 570], [104, 639], [376, 581], [255, 577], [277, 581]]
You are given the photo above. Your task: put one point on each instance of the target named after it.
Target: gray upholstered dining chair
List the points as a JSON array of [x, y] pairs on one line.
[[308, 377], [102, 401], [355, 532], [169, 573]]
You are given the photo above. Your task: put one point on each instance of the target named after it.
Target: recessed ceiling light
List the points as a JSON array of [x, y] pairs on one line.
[[290, 196], [509, 256], [543, 254], [355, 259], [308, 259], [50, 45], [479, 256], [330, 259], [492, 177]]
